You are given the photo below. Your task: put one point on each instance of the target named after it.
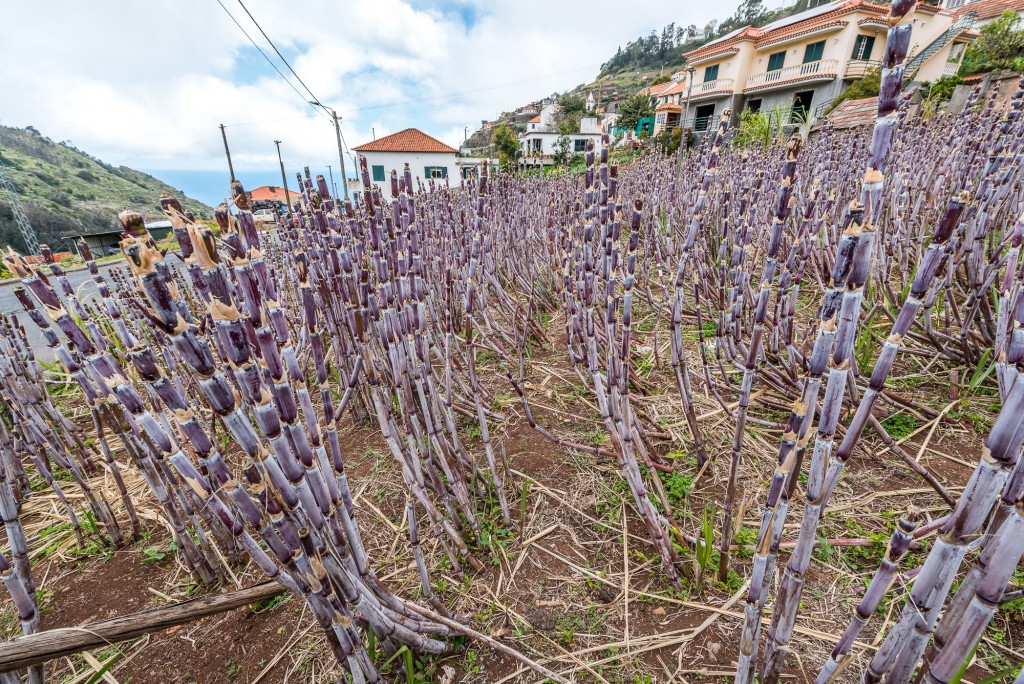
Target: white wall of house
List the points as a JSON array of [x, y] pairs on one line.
[[380, 165], [547, 116], [543, 143]]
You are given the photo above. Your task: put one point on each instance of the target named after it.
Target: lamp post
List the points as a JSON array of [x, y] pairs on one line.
[[686, 112], [689, 85]]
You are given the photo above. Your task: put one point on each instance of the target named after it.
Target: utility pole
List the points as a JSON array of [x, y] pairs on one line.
[[284, 179], [28, 235], [341, 153], [330, 172], [227, 151]]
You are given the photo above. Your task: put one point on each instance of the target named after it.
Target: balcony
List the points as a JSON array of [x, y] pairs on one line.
[[856, 68], [719, 86], [822, 70]]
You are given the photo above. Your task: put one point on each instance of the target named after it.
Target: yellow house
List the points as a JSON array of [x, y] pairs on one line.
[[803, 62]]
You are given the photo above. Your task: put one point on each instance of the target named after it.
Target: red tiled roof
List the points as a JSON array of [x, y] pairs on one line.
[[409, 140], [676, 88], [271, 192], [668, 107], [853, 113], [655, 90], [764, 36], [535, 119], [990, 9]]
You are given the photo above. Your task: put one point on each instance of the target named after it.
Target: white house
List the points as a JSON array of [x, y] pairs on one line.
[[427, 158], [538, 142]]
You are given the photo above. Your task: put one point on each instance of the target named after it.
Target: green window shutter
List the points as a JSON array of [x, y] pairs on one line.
[[378, 173], [444, 172], [863, 47], [814, 52], [711, 73], [426, 173], [776, 60]]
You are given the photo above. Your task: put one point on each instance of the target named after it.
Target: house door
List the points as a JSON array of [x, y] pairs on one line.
[[702, 117], [801, 106]]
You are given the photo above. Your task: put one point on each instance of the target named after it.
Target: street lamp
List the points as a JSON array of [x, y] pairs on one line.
[[689, 85], [686, 112]]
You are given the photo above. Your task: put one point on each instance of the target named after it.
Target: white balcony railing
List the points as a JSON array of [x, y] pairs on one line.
[[708, 87], [823, 68], [857, 68], [950, 69]]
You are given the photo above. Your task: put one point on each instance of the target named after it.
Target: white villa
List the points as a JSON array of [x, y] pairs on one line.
[[427, 158], [538, 142]]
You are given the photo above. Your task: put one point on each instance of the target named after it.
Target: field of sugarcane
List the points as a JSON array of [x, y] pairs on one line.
[[748, 413]]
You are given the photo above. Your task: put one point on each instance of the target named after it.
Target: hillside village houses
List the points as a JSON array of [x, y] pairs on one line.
[[984, 10], [427, 157], [537, 143], [801, 63]]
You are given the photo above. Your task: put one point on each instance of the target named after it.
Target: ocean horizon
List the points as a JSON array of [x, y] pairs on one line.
[[212, 187]]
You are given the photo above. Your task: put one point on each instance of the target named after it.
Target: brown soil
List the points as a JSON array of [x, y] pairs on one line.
[[559, 599]]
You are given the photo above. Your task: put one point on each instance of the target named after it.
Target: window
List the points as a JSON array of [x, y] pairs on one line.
[[956, 53], [660, 118], [579, 145], [754, 106], [378, 173], [702, 117], [814, 51], [775, 61], [862, 47], [711, 73], [435, 172]]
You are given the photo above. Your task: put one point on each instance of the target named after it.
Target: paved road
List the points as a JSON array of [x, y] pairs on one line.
[[84, 285]]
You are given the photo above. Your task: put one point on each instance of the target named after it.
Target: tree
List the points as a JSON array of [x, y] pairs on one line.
[[572, 107], [634, 108], [506, 144], [1000, 44], [562, 150], [658, 80]]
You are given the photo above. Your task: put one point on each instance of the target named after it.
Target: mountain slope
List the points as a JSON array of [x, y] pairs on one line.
[[67, 192]]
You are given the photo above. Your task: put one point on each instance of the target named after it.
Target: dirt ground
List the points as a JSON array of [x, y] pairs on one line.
[[573, 582]]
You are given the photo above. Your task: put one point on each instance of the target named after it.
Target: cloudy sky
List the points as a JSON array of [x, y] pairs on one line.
[[145, 83]]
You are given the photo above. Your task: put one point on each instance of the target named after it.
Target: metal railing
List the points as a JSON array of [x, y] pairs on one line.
[[700, 124], [820, 69], [950, 69], [856, 68], [820, 109], [914, 63]]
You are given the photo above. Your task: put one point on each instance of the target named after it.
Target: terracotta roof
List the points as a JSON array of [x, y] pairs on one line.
[[798, 23], [853, 113], [409, 140], [990, 9], [535, 119], [271, 192], [676, 88], [668, 107]]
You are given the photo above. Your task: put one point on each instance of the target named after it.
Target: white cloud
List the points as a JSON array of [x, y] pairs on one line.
[[147, 83]]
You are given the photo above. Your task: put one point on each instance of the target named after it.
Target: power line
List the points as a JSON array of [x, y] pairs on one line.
[[467, 92], [269, 61], [277, 51]]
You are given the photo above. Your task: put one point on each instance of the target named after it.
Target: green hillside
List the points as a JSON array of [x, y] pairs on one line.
[[68, 192]]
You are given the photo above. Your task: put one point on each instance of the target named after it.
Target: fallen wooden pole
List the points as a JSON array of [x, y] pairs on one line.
[[54, 643]]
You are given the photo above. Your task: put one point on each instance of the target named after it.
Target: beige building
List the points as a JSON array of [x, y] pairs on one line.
[[803, 62]]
